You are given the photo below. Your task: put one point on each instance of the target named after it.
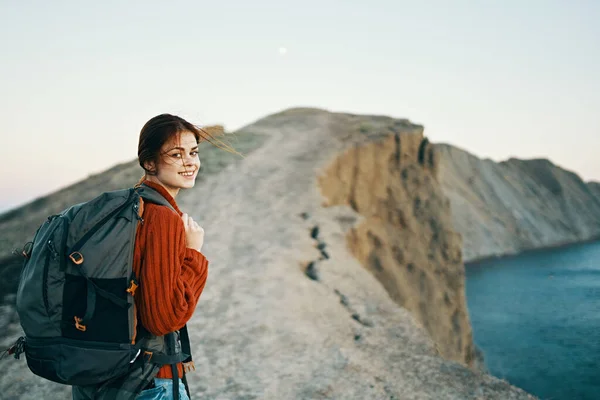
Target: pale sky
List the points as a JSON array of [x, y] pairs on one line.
[[498, 78]]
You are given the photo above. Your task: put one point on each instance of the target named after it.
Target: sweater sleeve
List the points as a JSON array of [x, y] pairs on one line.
[[172, 276]]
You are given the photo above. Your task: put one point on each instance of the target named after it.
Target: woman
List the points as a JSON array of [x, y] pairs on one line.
[[168, 257]]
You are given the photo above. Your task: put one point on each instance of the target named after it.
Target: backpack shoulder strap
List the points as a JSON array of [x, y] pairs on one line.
[[152, 196]]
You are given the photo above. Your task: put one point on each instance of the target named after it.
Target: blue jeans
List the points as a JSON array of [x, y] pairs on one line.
[[163, 391]]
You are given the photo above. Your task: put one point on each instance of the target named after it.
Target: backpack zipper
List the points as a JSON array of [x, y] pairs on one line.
[[136, 209], [54, 254], [63, 255]]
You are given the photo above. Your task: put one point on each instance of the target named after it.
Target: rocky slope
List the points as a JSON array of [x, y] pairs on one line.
[[335, 271], [516, 205]]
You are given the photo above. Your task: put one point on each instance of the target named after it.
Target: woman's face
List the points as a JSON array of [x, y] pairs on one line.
[[178, 163]]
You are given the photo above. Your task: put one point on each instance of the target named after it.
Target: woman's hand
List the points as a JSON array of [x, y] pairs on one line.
[[194, 233]]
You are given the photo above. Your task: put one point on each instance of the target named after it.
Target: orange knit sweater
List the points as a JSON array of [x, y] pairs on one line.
[[171, 275]]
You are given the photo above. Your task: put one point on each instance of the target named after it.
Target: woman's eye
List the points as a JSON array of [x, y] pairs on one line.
[[194, 153], [176, 155]]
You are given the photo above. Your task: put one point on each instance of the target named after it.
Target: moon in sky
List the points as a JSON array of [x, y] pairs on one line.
[[282, 51]]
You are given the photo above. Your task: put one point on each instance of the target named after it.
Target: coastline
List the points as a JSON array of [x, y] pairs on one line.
[[533, 250]]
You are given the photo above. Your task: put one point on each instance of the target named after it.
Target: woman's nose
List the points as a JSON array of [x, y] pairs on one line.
[[192, 160]]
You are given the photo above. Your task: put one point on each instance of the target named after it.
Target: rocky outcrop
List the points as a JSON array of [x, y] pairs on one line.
[[295, 306], [516, 205]]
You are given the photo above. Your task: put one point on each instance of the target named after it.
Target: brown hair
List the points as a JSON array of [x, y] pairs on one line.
[[158, 130]]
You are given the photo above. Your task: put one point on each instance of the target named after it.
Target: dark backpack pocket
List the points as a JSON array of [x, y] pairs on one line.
[[108, 323], [34, 300], [80, 363]]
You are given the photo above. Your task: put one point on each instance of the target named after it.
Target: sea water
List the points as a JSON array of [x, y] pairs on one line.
[[536, 317]]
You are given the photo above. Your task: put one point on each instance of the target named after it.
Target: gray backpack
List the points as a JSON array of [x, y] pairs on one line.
[[75, 295]]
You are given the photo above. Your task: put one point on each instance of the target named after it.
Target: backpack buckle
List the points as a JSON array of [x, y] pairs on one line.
[[133, 285], [78, 324], [76, 257]]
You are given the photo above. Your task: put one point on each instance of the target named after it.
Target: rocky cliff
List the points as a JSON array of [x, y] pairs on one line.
[[335, 271], [516, 205], [405, 236]]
